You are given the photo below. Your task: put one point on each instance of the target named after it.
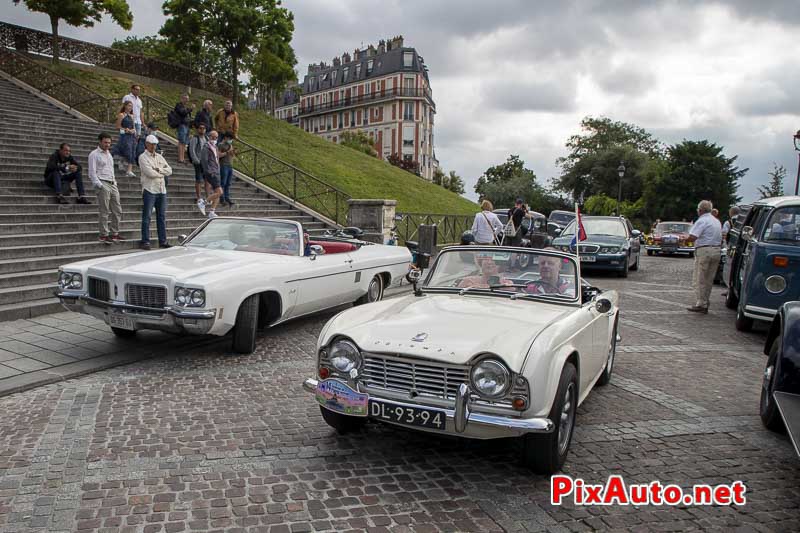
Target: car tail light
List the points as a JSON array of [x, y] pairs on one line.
[[324, 372], [780, 261]]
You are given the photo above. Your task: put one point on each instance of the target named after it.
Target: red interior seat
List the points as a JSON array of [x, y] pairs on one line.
[[332, 247]]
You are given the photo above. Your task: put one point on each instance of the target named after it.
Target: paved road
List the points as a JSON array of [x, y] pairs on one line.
[[201, 439]]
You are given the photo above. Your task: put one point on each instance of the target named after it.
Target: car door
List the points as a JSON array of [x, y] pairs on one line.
[[326, 282], [748, 247], [597, 338], [633, 242]]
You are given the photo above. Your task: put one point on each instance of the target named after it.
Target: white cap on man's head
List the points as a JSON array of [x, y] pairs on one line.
[[152, 139]]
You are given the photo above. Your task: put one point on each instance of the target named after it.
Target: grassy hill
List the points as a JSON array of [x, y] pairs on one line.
[[355, 173]]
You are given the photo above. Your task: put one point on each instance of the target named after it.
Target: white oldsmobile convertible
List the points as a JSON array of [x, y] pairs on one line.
[[237, 274], [496, 342]]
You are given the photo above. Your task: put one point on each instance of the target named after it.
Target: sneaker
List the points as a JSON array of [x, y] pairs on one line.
[[61, 200], [83, 200], [130, 175], [164, 245], [230, 203], [117, 238], [105, 239], [144, 246], [201, 205], [697, 309], [212, 214]]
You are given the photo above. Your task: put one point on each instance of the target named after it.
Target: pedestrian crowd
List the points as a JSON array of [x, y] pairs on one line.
[[210, 150]]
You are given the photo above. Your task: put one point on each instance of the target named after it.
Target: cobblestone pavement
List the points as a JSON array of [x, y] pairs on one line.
[[201, 439]]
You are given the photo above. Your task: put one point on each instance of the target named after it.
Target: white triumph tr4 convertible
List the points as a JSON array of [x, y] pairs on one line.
[[495, 342], [237, 274]]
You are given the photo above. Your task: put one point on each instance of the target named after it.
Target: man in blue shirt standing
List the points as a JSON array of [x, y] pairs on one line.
[[706, 234]]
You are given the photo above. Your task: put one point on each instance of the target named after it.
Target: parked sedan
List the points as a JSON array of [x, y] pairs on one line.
[[670, 238], [611, 244], [780, 390], [237, 274], [764, 264], [486, 348]]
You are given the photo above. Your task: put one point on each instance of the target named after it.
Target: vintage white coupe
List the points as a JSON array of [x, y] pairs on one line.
[[496, 342], [237, 274]]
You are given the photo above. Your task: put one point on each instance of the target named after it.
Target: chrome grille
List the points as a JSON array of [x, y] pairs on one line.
[[589, 248], [99, 289], [426, 378], [146, 295]]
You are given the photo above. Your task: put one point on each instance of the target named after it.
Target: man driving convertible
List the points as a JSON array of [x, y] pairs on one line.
[[549, 281]]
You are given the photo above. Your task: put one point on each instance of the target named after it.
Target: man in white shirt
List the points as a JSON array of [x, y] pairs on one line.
[[138, 115], [101, 173], [154, 169], [733, 212], [706, 234]]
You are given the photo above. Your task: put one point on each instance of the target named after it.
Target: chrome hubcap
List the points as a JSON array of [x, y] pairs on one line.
[[565, 423], [374, 290], [767, 377]]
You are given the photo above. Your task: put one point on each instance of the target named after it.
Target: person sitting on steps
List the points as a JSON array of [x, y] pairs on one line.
[[63, 169]]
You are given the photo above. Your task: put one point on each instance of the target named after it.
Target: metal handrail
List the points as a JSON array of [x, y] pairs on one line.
[[449, 227]]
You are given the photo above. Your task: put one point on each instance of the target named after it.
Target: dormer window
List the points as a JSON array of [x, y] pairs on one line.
[[323, 78], [358, 70], [333, 76], [408, 59], [369, 67], [345, 72]]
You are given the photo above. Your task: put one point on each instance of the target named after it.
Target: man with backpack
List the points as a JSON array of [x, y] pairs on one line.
[[180, 119], [516, 215]]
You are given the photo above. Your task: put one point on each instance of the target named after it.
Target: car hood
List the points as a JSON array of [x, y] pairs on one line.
[[602, 240], [448, 327], [183, 262]]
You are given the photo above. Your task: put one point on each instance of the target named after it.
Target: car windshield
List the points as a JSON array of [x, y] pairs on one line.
[[784, 226], [528, 273], [599, 226], [561, 217], [261, 236], [673, 227]]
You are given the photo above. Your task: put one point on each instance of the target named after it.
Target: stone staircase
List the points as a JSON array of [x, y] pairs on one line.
[[37, 235]]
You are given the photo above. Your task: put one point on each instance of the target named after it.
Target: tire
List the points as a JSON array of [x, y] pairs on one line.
[[768, 410], [649, 252], [246, 326], [731, 301], [343, 424], [605, 377], [691, 255], [743, 323], [123, 333], [624, 272], [374, 291], [636, 264], [546, 453]]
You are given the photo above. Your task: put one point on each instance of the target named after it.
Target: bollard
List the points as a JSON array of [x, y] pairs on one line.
[[428, 234]]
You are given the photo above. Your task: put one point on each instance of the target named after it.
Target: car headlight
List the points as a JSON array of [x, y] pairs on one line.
[[190, 297], [775, 284], [70, 280], [344, 356], [609, 249], [490, 378]]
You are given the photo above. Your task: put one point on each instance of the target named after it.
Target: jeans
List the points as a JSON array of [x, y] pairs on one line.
[[55, 180], [149, 200], [138, 128], [226, 177]]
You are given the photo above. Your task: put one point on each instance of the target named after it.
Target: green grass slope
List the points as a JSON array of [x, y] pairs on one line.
[[355, 173]]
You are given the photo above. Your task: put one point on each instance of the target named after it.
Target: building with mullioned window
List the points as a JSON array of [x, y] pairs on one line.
[[383, 91]]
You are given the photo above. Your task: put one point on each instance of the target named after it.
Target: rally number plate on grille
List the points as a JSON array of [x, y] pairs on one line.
[[117, 320], [408, 416], [337, 396]]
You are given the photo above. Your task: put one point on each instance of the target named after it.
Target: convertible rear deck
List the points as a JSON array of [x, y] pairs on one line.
[[789, 407]]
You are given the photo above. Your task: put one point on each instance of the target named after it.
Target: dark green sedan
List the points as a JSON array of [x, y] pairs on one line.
[[611, 244]]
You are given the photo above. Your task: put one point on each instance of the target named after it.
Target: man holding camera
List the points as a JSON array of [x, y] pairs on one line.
[[63, 169], [517, 214]]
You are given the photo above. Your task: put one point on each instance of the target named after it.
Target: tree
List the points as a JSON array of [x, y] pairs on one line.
[[693, 171], [211, 61], [775, 185], [272, 66], [409, 165], [358, 140], [504, 183], [438, 177], [591, 166], [236, 26], [453, 182], [80, 13]]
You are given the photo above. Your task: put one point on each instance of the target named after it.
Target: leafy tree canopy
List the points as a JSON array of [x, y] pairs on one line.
[[775, 185], [80, 13], [359, 141], [211, 61], [504, 183]]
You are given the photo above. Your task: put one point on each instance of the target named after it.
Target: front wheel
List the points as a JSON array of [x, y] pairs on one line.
[[343, 424], [636, 264], [649, 252], [624, 272], [246, 326], [770, 416], [546, 453], [691, 255], [605, 377], [743, 323], [123, 333], [374, 291], [731, 301]]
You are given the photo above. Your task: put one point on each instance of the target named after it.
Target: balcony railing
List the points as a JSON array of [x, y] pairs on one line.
[[377, 96], [27, 40], [448, 227]]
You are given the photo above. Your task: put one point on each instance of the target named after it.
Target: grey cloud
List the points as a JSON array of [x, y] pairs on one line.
[[514, 95], [627, 79], [769, 92]]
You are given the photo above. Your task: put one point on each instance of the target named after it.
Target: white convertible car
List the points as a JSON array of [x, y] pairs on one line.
[[496, 342], [235, 274]]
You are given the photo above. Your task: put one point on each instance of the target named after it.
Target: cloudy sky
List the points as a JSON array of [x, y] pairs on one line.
[[515, 76]]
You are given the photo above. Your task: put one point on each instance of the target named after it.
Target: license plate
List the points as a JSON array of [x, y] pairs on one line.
[[408, 416], [588, 259], [118, 320], [338, 397]]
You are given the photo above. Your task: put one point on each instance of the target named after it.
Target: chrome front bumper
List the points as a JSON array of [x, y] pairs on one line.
[[675, 249], [168, 318], [462, 421]]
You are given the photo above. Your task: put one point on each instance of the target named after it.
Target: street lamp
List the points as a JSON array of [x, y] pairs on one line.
[[797, 149], [621, 172]]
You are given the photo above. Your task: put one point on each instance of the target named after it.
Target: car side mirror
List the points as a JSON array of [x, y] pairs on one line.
[[747, 233], [181, 238], [636, 233], [603, 305], [414, 275], [315, 250]]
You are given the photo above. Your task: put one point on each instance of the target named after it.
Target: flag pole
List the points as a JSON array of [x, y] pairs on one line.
[[578, 240]]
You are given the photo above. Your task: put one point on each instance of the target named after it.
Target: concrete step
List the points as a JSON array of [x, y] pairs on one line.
[[130, 233], [26, 264], [30, 309], [176, 189], [34, 277], [26, 293], [135, 214], [11, 203]]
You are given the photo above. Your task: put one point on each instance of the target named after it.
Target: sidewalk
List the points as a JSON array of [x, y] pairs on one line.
[[51, 348]]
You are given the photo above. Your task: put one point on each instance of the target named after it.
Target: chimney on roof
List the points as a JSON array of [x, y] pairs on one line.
[[336, 62], [371, 51], [397, 42], [381, 46], [345, 58]]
